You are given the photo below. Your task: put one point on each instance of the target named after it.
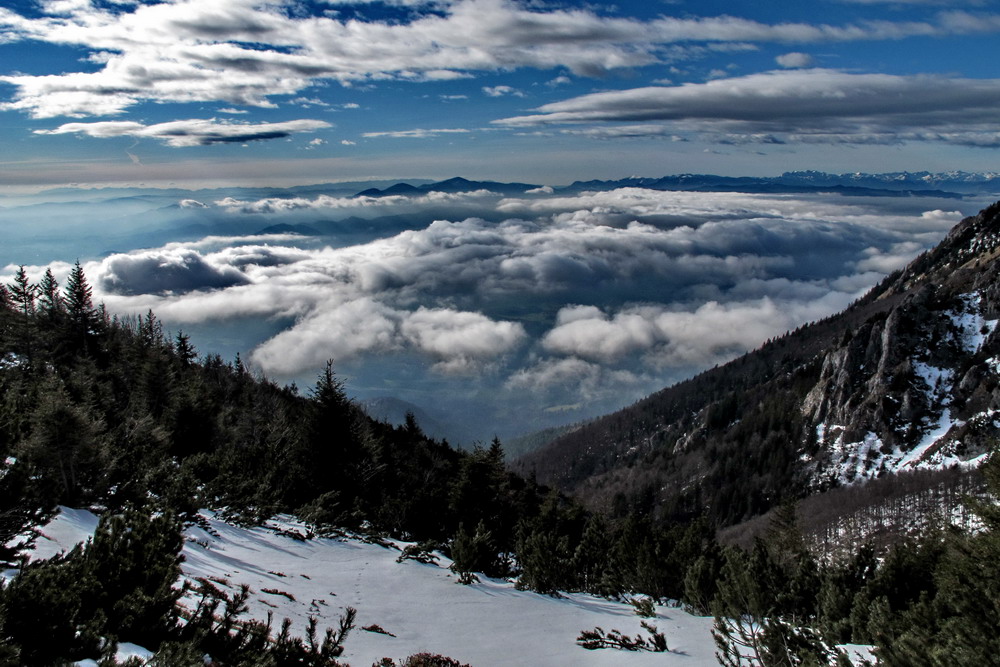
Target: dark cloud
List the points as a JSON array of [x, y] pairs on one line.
[[168, 271], [194, 132]]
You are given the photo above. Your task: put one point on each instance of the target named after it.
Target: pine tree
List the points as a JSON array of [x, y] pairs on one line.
[[183, 348], [23, 293], [472, 552], [49, 299], [591, 557], [332, 446], [81, 315]]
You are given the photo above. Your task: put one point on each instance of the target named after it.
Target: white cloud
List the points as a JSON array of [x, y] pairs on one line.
[[457, 342], [500, 91], [414, 134], [796, 105], [198, 51], [795, 60], [283, 204], [660, 281], [194, 132], [460, 339], [558, 378]]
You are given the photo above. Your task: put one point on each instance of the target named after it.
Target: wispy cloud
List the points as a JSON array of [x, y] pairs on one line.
[[500, 91], [417, 133]]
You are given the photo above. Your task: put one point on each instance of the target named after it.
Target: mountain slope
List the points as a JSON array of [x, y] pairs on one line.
[[906, 377], [487, 623]]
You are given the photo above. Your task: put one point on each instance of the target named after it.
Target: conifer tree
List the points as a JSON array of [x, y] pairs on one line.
[[80, 312], [332, 444], [23, 292], [79, 296], [591, 556], [472, 552], [183, 349], [49, 298]]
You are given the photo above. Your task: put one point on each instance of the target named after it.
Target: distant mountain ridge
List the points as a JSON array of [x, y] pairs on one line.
[[870, 185], [906, 378], [952, 185], [457, 184]]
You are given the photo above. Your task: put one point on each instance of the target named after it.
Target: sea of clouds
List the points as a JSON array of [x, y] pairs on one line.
[[512, 313]]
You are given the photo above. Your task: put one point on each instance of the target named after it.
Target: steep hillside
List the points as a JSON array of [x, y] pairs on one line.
[[905, 378]]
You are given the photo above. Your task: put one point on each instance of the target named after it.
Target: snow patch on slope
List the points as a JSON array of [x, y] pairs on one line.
[[971, 327], [489, 623], [862, 459]]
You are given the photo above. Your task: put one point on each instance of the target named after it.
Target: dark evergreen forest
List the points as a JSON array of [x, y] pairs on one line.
[[117, 415]]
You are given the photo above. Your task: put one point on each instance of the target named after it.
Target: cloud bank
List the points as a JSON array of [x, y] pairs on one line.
[[542, 301], [796, 105]]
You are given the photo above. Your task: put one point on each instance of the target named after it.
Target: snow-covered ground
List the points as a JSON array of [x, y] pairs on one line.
[[485, 624]]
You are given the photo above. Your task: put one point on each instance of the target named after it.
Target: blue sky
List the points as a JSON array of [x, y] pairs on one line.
[[247, 92]]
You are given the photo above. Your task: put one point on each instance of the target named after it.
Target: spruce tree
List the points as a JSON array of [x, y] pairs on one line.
[[23, 293], [79, 296], [49, 299], [82, 317]]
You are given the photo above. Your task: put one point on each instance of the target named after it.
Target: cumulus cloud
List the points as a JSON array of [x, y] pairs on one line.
[[247, 53], [827, 105], [500, 91], [457, 342], [795, 59], [176, 269], [664, 336], [582, 380], [459, 339], [194, 132]]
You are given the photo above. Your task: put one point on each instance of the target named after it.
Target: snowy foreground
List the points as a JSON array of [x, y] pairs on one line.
[[484, 624]]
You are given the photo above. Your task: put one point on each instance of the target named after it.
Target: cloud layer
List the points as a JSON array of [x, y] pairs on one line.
[[803, 105], [249, 52], [542, 301]]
